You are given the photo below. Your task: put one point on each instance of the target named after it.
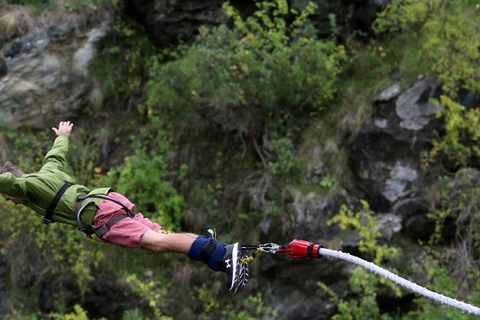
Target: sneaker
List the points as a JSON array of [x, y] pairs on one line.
[[237, 271]]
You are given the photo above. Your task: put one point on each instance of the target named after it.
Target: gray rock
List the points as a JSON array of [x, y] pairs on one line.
[[399, 177], [389, 93], [40, 67], [388, 225], [171, 20], [386, 154], [86, 53], [414, 106]]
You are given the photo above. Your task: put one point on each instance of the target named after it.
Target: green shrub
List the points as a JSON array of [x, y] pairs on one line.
[[449, 34], [462, 133], [250, 308], [77, 314], [288, 165], [39, 5], [234, 80], [143, 178], [363, 283]]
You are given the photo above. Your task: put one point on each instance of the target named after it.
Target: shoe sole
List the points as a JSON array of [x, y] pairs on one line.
[[235, 261], [242, 277]]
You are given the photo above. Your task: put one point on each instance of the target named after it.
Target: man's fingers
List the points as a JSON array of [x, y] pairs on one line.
[[63, 127]]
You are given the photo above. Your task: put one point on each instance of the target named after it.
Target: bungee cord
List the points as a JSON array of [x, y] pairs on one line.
[[369, 266], [304, 249]]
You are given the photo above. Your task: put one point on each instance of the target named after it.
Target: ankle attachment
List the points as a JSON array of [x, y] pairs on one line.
[[208, 250]]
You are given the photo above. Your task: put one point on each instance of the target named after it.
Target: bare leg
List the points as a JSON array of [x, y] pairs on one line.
[[172, 242], [217, 256]]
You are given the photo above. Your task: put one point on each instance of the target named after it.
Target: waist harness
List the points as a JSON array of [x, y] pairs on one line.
[[110, 223], [48, 218]]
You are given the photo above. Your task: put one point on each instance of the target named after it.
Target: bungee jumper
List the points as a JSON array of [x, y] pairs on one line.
[[52, 193], [109, 215]]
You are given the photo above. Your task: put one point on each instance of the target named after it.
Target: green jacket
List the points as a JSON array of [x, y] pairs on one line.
[[37, 190]]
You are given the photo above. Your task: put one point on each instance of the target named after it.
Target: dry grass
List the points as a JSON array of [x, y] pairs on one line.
[[14, 22]]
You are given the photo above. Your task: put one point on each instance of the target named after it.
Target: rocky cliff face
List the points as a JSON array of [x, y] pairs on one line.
[[171, 20], [44, 72], [387, 152], [44, 60]]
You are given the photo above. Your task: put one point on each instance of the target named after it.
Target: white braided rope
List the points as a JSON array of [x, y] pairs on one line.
[[400, 281]]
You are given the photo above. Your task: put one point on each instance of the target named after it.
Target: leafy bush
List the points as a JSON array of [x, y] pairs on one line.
[[234, 80], [251, 308], [449, 34], [143, 178], [78, 314], [462, 133], [227, 90], [452, 266], [40, 4], [363, 283], [287, 166]]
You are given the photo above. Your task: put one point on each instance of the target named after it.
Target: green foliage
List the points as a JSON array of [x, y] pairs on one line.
[[88, 5], [449, 35], [328, 181], [268, 24], [453, 268], [85, 6], [227, 90], [39, 5], [27, 149], [442, 282], [288, 165], [252, 307], [234, 79], [77, 314], [134, 314], [365, 223], [144, 179], [151, 291], [462, 133], [364, 284], [122, 68], [51, 256], [65, 246]]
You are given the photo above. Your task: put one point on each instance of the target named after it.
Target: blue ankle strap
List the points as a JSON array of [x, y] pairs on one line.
[[208, 250]]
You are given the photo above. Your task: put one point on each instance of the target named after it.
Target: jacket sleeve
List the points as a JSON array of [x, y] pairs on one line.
[[9, 184], [56, 158]]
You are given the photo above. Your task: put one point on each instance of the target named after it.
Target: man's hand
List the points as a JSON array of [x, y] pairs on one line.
[[64, 127]]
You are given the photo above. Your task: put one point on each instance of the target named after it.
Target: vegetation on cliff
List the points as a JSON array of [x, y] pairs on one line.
[[222, 128]]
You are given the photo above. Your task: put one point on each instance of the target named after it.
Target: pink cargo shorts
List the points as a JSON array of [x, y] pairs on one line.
[[127, 232]]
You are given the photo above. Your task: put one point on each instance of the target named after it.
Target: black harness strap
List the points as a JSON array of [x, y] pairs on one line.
[[110, 223], [103, 229], [48, 218], [104, 197]]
